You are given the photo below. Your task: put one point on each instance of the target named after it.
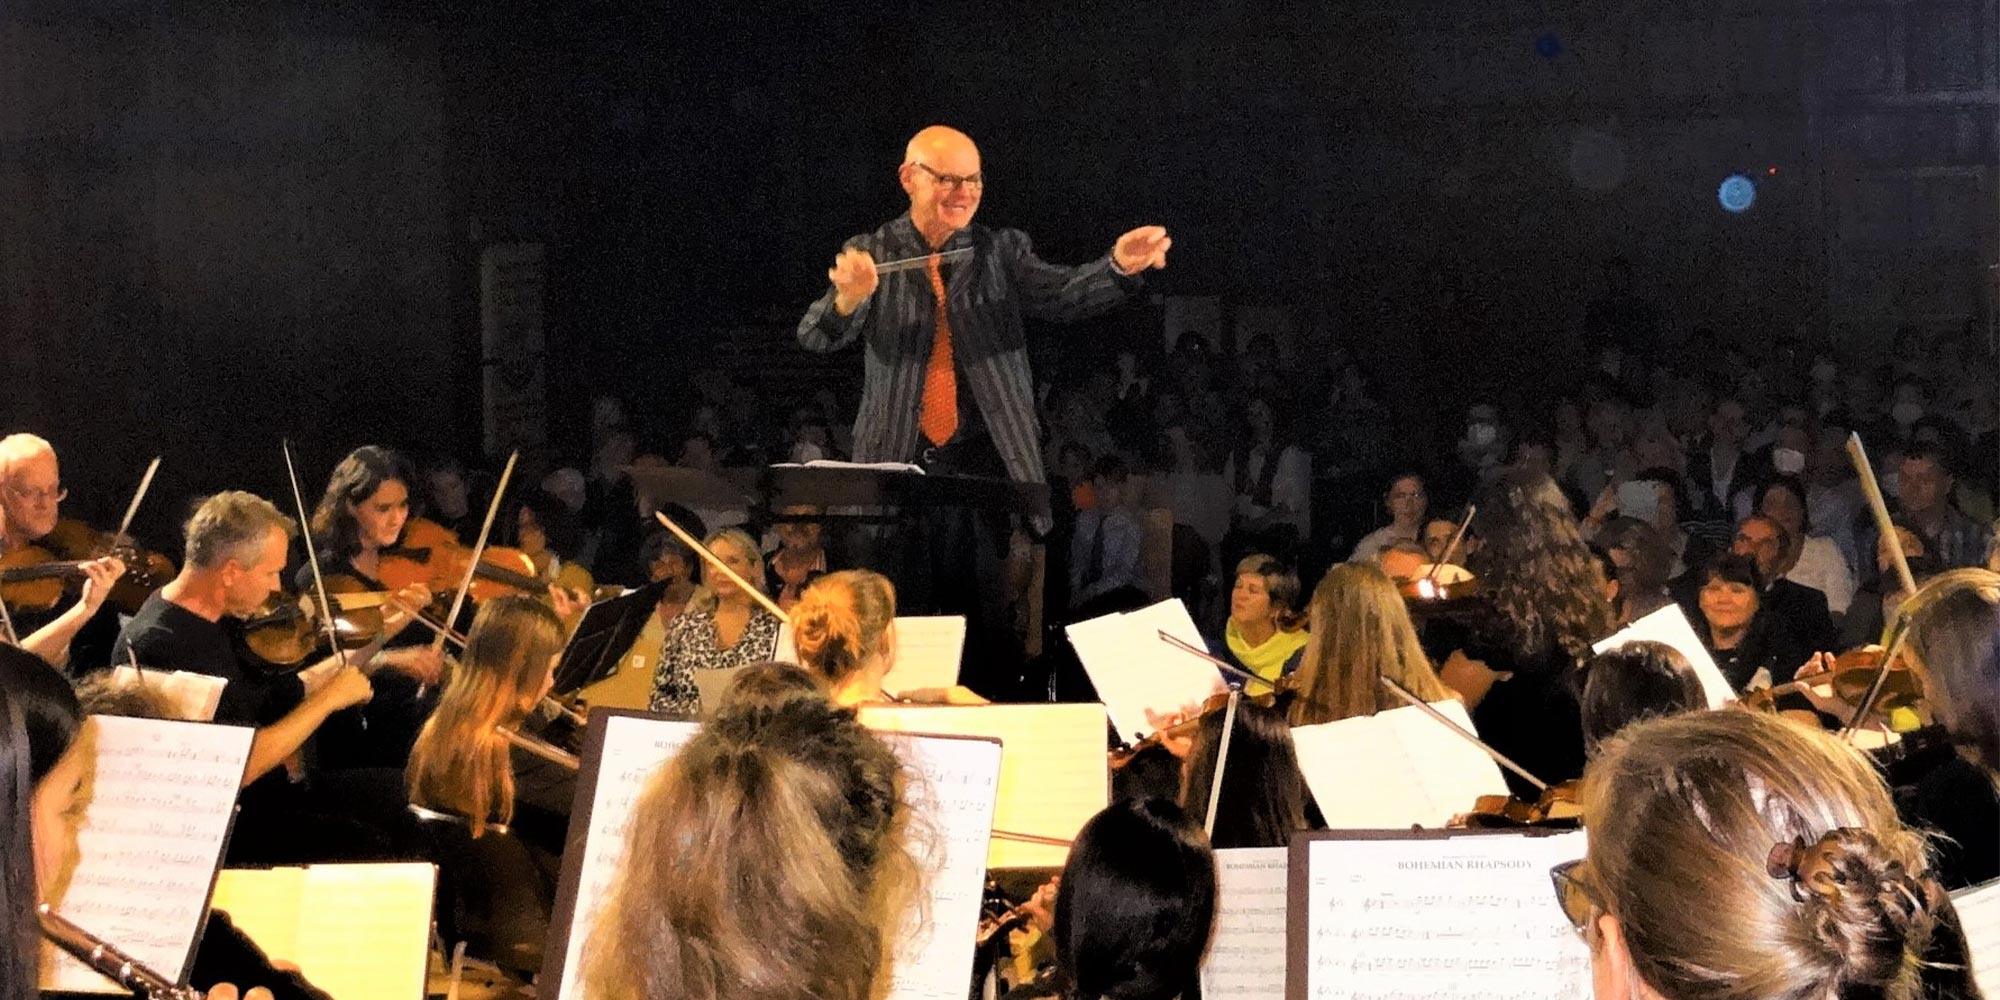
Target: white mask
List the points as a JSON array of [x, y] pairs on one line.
[[1824, 372], [1789, 461], [1481, 434], [1906, 412]]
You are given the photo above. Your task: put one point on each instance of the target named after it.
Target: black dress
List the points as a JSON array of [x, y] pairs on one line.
[[1532, 717]]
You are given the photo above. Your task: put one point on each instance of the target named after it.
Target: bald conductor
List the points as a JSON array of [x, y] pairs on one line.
[[947, 383]]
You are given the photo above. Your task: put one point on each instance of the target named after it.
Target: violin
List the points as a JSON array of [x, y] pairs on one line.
[[431, 556], [1281, 693], [1556, 808], [1853, 672], [37, 577], [288, 629], [1449, 582]]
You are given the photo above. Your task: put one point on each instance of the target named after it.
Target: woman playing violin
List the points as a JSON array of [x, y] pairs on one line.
[[1262, 634], [1360, 630], [722, 627], [359, 517], [845, 625]]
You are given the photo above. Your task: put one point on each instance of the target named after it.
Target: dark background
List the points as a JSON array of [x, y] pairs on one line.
[[224, 223]]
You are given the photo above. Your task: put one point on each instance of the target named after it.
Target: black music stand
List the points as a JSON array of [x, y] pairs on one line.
[[604, 636]]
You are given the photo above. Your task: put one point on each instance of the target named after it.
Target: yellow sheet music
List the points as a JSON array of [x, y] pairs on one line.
[[358, 932], [1053, 775]]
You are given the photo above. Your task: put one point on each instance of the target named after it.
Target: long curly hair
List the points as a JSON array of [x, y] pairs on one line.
[[1538, 572]]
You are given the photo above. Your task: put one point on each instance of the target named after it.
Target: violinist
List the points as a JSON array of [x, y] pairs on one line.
[[845, 628], [1875, 603], [1953, 623], [1542, 605], [1639, 680], [1360, 630], [358, 519], [722, 627], [800, 558], [547, 531], [1733, 856], [31, 494], [1263, 796], [770, 858], [1263, 635], [236, 549], [1134, 908], [462, 764]]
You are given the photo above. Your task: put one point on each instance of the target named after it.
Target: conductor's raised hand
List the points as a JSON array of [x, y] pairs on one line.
[[1141, 249], [854, 278]]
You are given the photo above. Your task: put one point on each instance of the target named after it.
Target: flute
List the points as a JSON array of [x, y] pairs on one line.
[[108, 961]]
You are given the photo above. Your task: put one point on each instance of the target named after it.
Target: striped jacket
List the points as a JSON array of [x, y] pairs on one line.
[[987, 294]]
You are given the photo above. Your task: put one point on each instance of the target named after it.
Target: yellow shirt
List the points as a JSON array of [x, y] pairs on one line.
[[1266, 660]]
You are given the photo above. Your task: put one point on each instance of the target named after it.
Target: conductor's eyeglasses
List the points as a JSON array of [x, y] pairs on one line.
[[952, 182]]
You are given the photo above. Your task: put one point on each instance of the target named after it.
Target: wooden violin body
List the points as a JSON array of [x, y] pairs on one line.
[[431, 556], [38, 576], [1556, 808]]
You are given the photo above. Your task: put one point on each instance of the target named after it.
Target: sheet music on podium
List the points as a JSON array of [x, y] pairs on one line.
[[161, 799], [1420, 773], [1246, 958], [957, 779], [1979, 914], [929, 650], [1136, 672], [1431, 913]]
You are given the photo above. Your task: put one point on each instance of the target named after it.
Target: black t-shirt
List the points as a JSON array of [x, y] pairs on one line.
[[166, 636]]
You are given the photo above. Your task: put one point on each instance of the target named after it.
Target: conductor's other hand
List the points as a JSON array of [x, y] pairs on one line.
[[853, 276], [1142, 248]]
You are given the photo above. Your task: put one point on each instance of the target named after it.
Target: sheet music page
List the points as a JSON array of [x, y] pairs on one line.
[[953, 791], [354, 930], [264, 904], [1469, 917], [1246, 958], [161, 798], [1416, 773], [928, 651], [1053, 775], [1979, 913], [634, 748], [193, 696], [1135, 671], [1670, 625], [365, 929]]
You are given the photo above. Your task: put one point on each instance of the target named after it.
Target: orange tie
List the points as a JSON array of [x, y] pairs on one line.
[[939, 417]]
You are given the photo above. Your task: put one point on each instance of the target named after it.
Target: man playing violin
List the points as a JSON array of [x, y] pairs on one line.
[[31, 496], [237, 544]]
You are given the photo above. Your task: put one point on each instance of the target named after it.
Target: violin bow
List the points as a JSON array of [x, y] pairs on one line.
[[1866, 705], [312, 557], [138, 497], [1452, 546], [713, 560], [478, 552], [1220, 664], [1872, 489], [1221, 761], [1498, 758], [1388, 682], [7, 624]]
